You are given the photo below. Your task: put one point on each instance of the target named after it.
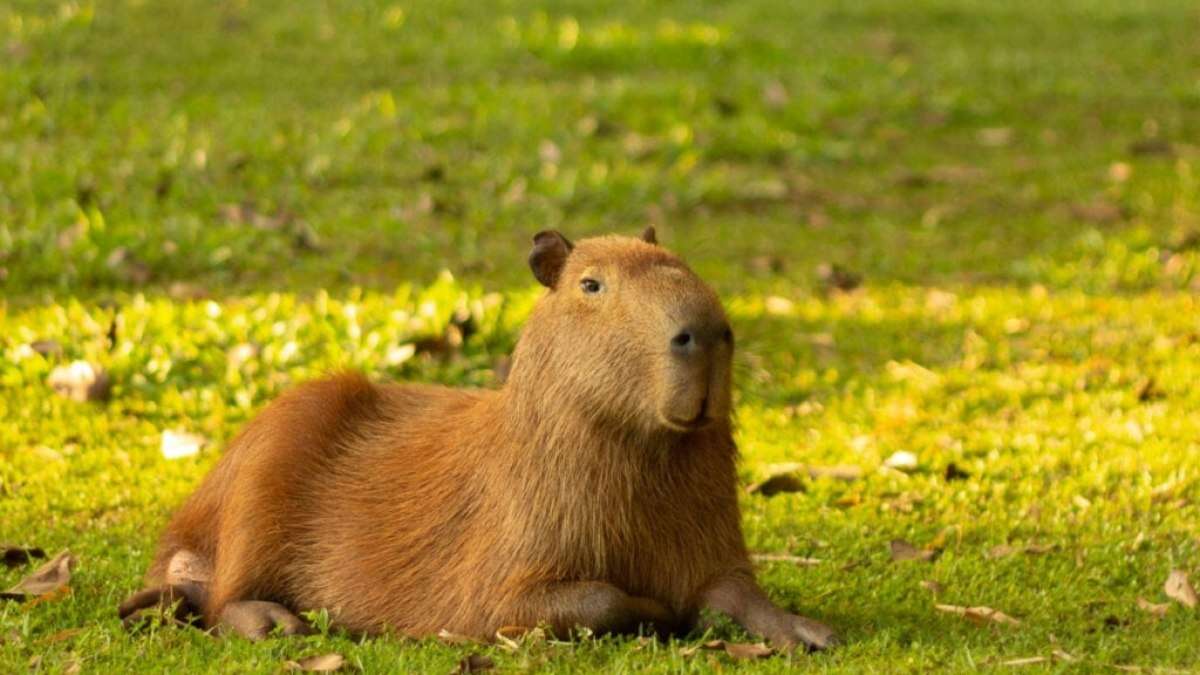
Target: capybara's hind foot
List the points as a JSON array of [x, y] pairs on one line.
[[181, 604], [256, 620]]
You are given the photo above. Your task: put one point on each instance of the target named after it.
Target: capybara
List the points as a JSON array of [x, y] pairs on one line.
[[595, 489]]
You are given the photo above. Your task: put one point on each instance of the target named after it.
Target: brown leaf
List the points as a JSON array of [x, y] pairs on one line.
[[19, 555], [955, 472], [743, 650], [1179, 589], [1027, 661], [784, 557], [979, 614], [1152, 608], [1148, 391], [80, 381], [1001, 551], [455, 638], [783, 482], [323, 663], [1098, 212], [846, 472], [834, 277], [65, 634], [1151, 146], [932, 586], [474, 663], [48, 578], [902, 551]]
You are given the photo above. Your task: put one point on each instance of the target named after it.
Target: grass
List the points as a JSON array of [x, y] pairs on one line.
[[1015, 182]]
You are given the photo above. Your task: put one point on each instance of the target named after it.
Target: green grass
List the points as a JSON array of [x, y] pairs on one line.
[[1016, 183]]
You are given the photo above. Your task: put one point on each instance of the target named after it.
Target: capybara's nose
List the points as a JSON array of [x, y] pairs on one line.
[[696, 338]]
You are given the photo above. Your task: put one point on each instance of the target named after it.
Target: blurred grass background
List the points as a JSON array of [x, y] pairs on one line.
[[961, 229]]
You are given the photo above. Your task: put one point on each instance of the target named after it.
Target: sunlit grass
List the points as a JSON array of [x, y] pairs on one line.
[[273, 194]]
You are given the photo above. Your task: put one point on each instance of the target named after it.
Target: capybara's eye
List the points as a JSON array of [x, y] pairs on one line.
[[727, 336], [591, 286]]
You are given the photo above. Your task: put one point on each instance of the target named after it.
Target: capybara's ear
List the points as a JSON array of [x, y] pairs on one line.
[[549, 254], [649, 236]]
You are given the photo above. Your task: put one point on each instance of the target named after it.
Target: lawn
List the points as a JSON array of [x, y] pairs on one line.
[[964, 230]]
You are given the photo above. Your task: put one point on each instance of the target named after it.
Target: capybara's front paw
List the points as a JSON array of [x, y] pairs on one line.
[[796, 630], [256, 620]]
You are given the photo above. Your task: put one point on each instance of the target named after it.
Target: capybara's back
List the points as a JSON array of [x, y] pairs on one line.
[[596, 489]]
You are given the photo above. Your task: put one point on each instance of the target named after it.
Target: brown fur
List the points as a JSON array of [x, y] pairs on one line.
[[596, 488]]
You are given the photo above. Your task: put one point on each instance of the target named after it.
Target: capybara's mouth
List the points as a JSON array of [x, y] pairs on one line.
[[701, 420]]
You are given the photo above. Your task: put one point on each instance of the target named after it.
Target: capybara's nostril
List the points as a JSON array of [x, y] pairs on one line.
[[683, 343]]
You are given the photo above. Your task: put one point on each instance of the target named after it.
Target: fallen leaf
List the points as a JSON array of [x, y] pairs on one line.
[[979, 614], [784, 557], [19, 555], [474, 663], [902, 551], [65, 634], [775, 95], [836, 277], [46, 348], [778, 306], [178, 444], [932, 586], [1098, 212], [1153, 608], [80, 381], [1061, 655], [954, 472], [1000, 551], [743, 650], [1151, 146], [1148, 391], [1039, 549], [779, 483], [1027, 661], [323, 663], [48, 578], [994, 137], [846, 472], [455, 638], [1179, 589], [901, 460]]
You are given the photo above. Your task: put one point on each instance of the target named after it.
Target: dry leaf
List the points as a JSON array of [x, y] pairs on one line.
[[19, 555], [901, 460], [80, 381], [743, 650], [784, 482], [932, 586], [178, 444], [1027, 661], [455, 638], [474, 663], [65, 634], [1151, 146], [979, 614], [1179, 589], [323, 663], [955, 472], [1001, 551], [834, 277], [779, 306], [902, 550], [784, 557], [48, 578], [1098, 212], [846, 472], [1152, 608]]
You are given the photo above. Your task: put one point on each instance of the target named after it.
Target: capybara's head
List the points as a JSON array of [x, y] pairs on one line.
[[626, 334]]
